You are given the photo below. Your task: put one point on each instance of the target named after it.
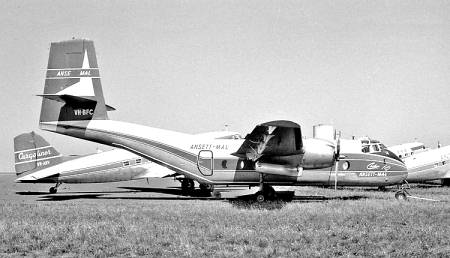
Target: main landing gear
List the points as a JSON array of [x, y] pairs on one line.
[[265, 193], [187, 185], [54, 189], [188, 188]]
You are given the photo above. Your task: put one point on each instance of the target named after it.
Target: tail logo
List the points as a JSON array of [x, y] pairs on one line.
[[39, 155], [85, 71]]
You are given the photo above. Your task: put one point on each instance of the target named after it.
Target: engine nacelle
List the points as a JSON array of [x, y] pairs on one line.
[[318, 153], [276, 169]]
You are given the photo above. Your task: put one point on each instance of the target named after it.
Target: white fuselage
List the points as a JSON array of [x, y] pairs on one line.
[[109, 166], [211, 161], [428, 165]]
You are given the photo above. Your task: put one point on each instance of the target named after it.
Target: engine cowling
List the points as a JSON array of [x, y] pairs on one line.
[[318, 153], [276, 169]]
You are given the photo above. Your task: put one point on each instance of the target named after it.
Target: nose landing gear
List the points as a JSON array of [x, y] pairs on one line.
[[402, 193]]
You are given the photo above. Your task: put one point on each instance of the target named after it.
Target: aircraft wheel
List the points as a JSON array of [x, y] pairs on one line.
[[217, 195], [206, 187], [269, 193], [53, 190], [187, 185], [401, 196], [260, 197], [191, 185]]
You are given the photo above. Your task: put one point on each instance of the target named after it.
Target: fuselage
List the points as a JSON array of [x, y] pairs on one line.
[[109, 166], [428, 165], [211, 161]]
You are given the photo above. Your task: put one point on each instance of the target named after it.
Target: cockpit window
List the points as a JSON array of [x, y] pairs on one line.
[[374, 148], [365, 148]]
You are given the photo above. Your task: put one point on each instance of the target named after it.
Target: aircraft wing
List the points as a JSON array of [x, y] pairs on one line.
[[272, 139]]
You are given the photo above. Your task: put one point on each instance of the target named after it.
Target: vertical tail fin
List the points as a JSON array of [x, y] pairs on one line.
[[73, 90], [32, 153]]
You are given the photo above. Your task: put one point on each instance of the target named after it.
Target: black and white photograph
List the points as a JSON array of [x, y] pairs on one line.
[[194, 128]]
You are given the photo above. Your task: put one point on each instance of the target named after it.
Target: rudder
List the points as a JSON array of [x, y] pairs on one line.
[[32, 153], [73, 88]]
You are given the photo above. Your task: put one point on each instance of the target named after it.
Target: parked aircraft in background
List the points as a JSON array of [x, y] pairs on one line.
[[407, 149], [36, 161], [274, 153], [425, 164]]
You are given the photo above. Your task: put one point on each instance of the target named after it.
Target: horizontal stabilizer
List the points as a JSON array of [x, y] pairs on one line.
[[72, 99]]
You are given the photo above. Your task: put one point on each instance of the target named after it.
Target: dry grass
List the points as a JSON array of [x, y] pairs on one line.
[[373, 226]]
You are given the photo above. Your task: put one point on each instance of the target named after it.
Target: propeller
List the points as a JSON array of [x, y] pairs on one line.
[[336, 160]]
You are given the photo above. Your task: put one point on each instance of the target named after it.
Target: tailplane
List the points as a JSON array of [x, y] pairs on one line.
[[33, 153], [73, 90]]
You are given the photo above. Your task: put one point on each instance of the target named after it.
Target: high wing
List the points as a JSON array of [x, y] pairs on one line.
[[271, 140]]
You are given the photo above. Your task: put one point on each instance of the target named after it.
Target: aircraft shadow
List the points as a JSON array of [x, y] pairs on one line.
[[31, 193], [67, 197], [46, 193], [177, 194], [171, 190], [247, 202]]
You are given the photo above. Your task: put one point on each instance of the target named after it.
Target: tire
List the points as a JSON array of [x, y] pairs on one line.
[[53, 190], [259, 197], [401, 196], [190, 185], [206, 187], [187, 186], [269, 193]]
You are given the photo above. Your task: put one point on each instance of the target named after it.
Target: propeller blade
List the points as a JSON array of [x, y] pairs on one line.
[[336, 162]]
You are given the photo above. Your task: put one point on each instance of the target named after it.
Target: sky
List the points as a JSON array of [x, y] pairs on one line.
[[376, 68]]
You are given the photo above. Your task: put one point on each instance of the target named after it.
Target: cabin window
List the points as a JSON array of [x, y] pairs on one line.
[[126, 163], [138, 161], [224, 164]]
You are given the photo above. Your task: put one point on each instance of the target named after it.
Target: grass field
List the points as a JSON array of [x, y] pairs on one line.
[[367, 223]]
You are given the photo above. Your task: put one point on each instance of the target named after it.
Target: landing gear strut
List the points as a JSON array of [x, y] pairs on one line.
[[266, 192], [54, 189]]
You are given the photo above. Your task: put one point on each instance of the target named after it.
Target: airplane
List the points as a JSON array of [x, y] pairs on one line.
[[274, 153], [36, 161], [407, 149], [425, 164]]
